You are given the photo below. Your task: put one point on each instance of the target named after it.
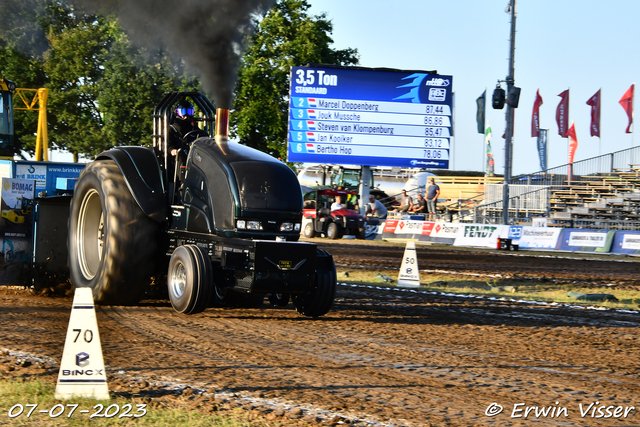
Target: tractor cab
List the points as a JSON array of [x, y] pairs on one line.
[[163, 118], [320, 219], [219, 187]]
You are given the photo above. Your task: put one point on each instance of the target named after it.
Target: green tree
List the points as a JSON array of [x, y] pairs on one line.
[[22, 45], [286, 36], [102, 89]]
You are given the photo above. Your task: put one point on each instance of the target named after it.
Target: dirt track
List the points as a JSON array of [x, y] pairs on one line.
[[381, 357]]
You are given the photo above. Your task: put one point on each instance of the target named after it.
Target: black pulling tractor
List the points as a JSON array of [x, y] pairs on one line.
[[223, 227]]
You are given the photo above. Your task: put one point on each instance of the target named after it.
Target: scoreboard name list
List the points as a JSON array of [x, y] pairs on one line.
[[389, 128]]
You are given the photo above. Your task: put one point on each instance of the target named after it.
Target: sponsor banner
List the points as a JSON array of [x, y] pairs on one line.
[[16, 223], [626, 242], [409, 227], [537, 237], [480, 235], [515, 232], [580, 240], [445, 230], [390, 226], [427, 228]]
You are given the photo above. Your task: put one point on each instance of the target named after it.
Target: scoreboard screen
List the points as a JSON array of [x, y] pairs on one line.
[[370, 117]]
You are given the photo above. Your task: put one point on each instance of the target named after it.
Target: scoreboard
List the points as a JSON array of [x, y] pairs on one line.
[[370, 117]]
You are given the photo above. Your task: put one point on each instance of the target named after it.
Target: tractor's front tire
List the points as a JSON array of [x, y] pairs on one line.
[[112, 243], [189, 279], [319, 301]]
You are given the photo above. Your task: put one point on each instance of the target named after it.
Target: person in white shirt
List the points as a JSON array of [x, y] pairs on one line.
[[376, 208], [337, 204]]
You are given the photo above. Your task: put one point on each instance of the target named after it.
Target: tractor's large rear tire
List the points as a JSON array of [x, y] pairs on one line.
[[319, 301], [113, 247]]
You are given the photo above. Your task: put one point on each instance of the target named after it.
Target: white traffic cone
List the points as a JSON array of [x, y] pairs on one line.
[[82, 372], [409, 276]]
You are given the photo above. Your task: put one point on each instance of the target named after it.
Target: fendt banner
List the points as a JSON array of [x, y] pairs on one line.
[[370, 117]]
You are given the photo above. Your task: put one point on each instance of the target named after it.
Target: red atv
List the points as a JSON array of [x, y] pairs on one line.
[[319, 219]]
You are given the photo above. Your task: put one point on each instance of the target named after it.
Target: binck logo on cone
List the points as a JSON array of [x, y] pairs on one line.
[[82, 372], [409, 276]]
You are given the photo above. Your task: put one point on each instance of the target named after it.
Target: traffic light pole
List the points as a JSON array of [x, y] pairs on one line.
[[509, 129]]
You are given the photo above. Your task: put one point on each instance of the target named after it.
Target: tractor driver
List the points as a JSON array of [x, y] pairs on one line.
[[182, 131], [181, 127]]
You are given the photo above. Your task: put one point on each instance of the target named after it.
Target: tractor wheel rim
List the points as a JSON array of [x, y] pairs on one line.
[[90, 234], [178, 280]]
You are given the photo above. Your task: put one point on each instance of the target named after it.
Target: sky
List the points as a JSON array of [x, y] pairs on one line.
[[581, 45]]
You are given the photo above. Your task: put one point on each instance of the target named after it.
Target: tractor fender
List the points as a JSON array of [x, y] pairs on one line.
[[141, 171]]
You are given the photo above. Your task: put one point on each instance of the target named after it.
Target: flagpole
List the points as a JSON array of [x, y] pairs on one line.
[[600, 127], [483, 164], [568, 109]]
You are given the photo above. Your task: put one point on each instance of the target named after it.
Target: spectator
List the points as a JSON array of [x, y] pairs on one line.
[[420, 206], [337, 204], [376, 208], [406, 204], [433, 191]]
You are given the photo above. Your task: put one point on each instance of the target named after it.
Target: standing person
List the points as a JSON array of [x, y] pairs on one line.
[[433, 191], [376, 208], [406, 203]]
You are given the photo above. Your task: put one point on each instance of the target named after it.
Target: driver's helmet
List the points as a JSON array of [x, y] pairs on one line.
[[184, 110]]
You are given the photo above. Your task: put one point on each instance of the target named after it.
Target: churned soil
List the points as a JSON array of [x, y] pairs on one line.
[[381, 357]]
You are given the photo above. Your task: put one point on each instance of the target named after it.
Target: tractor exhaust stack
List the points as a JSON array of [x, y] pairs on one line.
[[222, 125]]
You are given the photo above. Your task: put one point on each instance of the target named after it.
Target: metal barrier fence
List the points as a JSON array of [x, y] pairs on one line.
[[584, 169], [525, 201]]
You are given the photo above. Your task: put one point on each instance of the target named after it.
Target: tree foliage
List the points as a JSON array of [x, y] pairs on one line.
[[286, 36], [102, 88]]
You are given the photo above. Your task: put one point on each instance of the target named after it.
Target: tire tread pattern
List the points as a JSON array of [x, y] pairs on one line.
[[130, 251]]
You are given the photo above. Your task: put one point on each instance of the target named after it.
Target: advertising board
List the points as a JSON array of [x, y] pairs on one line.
[[537, 237], [479, 235], [580, 240], [368, 117], [626, 242]]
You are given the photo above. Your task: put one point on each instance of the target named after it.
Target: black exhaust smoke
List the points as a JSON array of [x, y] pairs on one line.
[[209, 35]]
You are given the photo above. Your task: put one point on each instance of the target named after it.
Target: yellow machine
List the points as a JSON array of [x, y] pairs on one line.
[[32, 100], [13, 216]]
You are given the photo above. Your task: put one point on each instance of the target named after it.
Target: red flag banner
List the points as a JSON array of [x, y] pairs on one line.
[[594, 103], [535, 117], [562, 114], [627, 103], [573, 142]]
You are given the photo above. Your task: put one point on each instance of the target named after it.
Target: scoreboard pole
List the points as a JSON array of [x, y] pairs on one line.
[[364, 189]]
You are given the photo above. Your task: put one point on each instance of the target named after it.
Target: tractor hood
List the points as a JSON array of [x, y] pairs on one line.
[[235, 181]]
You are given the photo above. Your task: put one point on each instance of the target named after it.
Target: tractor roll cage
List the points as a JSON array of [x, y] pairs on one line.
[[163, 114]]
